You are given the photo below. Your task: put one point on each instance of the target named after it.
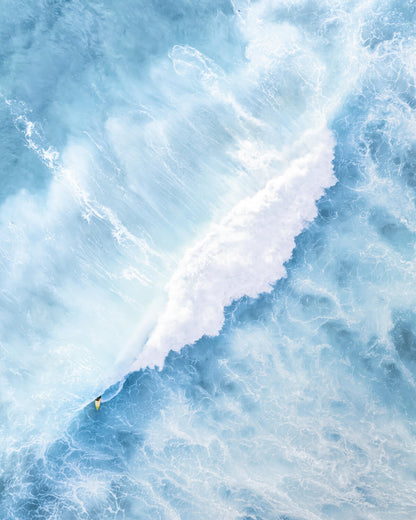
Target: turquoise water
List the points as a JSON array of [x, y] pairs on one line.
[[207, 215]]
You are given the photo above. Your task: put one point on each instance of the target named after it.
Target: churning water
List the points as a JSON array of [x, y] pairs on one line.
[[207, 215]]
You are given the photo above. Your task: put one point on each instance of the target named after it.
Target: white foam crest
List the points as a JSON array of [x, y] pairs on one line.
[[244, 254]]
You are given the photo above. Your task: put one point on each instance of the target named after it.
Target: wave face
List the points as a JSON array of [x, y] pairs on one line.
[[207, 214]]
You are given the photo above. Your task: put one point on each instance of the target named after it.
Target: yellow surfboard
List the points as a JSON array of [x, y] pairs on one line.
[[97, 402]]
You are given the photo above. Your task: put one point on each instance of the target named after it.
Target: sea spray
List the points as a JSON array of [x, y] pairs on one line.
[[130, 133], [244, 254]]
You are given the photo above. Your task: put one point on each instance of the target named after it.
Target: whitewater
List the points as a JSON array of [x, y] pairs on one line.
[[207, 216]]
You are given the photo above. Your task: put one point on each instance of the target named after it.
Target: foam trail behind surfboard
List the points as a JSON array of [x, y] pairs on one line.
[[244, 254]]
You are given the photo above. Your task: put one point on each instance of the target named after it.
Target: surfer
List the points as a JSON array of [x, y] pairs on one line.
[[98, 402]]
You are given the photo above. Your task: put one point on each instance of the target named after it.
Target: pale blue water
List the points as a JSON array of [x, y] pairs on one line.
[[142, 147]]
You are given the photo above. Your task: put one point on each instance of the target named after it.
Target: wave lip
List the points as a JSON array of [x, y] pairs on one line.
[[244, 254]]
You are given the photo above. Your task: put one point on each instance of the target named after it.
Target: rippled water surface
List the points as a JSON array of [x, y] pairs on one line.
[[207, 215]]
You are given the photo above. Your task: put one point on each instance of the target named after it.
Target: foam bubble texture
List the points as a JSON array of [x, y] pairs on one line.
[[244, 254], [167, 171]]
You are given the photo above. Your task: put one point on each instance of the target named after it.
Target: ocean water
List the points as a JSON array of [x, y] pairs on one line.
[[207, 215]]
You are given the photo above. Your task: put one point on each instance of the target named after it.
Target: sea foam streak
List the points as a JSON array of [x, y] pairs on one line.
[[244, 254]]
